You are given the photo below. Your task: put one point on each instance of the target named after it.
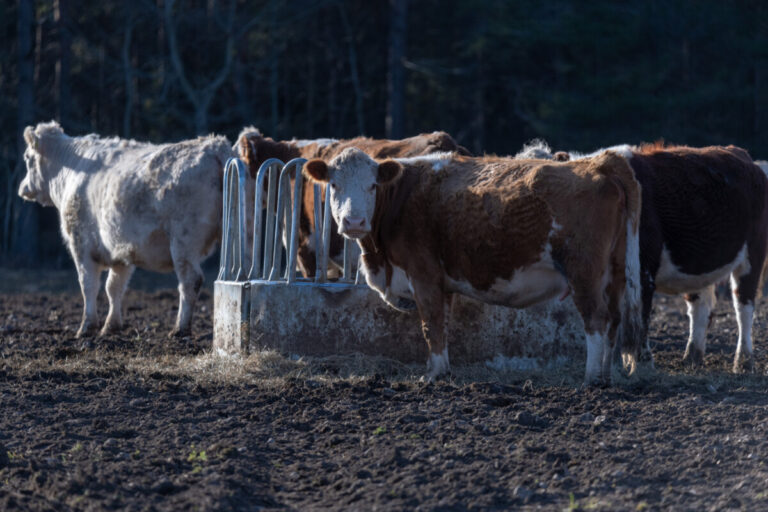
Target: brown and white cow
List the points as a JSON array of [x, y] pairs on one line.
[[704, 218], [255, 149], [125, 204], [500, 230]]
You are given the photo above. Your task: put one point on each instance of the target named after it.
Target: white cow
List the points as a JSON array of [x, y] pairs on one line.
[[124, 204]]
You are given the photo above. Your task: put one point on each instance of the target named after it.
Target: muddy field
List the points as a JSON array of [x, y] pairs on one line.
[[138, 421]]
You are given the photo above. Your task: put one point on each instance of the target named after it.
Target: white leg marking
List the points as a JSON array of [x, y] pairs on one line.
[[744, 318], [595, 349], [698, 315], [437, 364]]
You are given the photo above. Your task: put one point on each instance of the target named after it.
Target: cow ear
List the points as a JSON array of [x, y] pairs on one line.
[[248, 155], [389, 171], [246, 150], [30, 138], [316, 170]]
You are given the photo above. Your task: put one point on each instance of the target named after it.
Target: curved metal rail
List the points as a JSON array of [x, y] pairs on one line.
[[276, 224]]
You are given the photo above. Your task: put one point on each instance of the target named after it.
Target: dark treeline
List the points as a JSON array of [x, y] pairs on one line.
[[492, 73]]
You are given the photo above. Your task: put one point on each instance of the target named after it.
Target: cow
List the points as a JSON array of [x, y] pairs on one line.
[[704, 219], [500, 230], [254, 149], [124, 204]]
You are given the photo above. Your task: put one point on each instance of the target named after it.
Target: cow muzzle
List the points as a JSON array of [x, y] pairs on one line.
[[25, 191], [353, 227]]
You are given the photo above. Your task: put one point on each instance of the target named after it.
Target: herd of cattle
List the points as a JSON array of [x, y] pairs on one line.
[[610, 227]]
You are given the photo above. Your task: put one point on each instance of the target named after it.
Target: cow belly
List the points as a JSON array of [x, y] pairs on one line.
[[669, 278], [527, 287]]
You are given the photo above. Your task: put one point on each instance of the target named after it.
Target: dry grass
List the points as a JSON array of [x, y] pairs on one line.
[[269, 369]]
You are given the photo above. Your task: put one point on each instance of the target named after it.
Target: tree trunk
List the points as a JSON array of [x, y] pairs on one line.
[[128, 73], [63, 96], [354, 75], [395, 121], [26, 239]]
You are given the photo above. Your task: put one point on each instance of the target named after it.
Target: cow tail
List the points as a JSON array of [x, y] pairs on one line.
[[632, 330]]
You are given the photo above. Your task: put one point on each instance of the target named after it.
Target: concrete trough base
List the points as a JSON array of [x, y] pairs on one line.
[[308, 319]]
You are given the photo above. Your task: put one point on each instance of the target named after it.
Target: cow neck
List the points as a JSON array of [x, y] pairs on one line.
[[69, 155], [390, 200]]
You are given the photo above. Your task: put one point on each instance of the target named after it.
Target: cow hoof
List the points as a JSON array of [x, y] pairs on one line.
[[86, 330], [404, 304], [178, 333], [110, 329], [431, 379], [646, 357], [746, 365], [693, 358], [595, 384]]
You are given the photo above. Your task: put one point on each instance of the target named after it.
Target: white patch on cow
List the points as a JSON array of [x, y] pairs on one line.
[[321, 143], [595, 348], [669, 278], [399, 286], [535, 149], [529, 285], [623, 150], [438, 161], [762, 164], [438, 364], [744, 318], [698, 316]]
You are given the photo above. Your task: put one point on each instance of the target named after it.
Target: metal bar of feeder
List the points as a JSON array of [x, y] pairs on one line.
[[283, 202], [298, 186], [223, 264], [240, 183], [326, 233], [318, 203], [257, 271], [269, 225]]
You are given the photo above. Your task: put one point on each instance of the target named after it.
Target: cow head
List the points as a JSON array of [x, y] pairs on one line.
[[36, 184], [353, 177]]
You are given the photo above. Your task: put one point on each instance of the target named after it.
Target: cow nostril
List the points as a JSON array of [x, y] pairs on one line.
[[354, 222]]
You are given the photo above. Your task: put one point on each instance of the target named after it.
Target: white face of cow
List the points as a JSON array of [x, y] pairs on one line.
[[352, 178], [34, 186]]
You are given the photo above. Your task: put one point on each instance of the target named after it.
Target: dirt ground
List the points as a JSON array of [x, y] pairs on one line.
[[140, 422]]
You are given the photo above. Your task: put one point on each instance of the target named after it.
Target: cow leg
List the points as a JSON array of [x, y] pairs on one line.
[[594, 311], [117, 281], [699, 308], [88, 273], [648, 289], [190, 281], [431, 303], [744, 290]]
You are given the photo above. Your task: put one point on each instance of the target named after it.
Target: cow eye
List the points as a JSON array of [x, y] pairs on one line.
[[333, 186]]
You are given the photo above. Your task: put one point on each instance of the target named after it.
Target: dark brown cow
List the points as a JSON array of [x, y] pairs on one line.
[[704, 218], [255, 149], [500, 230]]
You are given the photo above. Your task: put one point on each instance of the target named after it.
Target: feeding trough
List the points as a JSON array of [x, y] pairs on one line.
[[261, 302]]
